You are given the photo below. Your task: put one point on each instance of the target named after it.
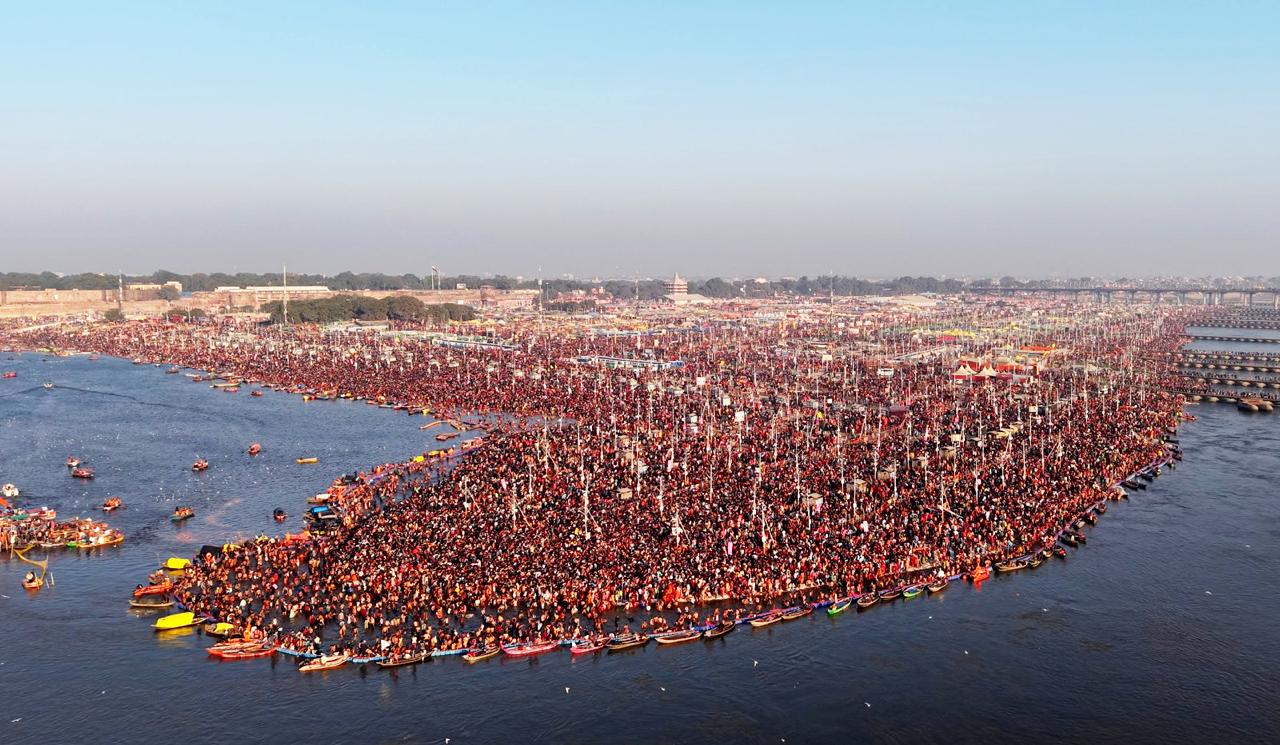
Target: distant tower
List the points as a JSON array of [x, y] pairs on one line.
[[677, 286]]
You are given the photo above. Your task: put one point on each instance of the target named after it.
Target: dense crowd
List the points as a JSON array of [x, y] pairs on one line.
[[780, 464]]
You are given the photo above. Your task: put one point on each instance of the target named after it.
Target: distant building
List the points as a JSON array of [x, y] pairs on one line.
[[678, 292], [677, 286]]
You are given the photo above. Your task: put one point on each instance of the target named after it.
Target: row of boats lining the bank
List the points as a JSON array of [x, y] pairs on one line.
[[156, 596]]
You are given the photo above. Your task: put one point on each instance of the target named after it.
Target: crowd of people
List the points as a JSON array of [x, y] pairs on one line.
[[784, 462]]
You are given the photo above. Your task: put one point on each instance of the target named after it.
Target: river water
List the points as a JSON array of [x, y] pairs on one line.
[[1163, 627]]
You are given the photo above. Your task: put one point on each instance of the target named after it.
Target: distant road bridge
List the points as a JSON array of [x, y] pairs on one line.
[[1245, 296]]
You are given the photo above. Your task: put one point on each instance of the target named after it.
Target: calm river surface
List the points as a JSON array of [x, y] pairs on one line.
[[1164, 627]]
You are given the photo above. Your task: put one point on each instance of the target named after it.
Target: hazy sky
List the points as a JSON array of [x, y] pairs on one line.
[[733, 137]]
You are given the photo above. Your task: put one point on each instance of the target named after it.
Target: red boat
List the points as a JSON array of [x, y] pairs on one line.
[[525, 649], [256, 394], [255, 448], [160, 589], [113, 503], [72, 461], [587, 646], [10, 374], [200, 465], [82, 473]]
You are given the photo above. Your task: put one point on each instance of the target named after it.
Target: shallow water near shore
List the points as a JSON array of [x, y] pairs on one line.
[[1162, 627]]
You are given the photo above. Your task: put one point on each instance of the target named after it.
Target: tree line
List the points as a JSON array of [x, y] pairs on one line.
[[646, 289], [361, 308]]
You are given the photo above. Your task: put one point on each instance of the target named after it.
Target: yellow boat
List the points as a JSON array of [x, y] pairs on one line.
[[175, 564], [305, 461], [221, 628], [177, 621]]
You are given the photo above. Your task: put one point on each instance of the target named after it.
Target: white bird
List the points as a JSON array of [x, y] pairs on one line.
[[566, 689], [15, 721], [660, 688], [755, 663], [966, 651]]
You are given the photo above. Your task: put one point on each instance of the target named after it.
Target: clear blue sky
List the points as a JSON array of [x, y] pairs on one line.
[[1028, 138]]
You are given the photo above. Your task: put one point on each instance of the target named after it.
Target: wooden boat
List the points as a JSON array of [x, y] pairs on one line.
[[1091, 518], [619, 642], [768, 619], [527, 649], [587, 646], [677, 637], [867, 600], [175, 621], [1011, 566], [151, 602], [980, 574], [200, 465], [171, 371], [402, 662], [259, 650], [307, 461], [483, 653], [1081, 537], [719, 630], [113, 538], [321, 498], [893, 594], [256, 394], [796, 611], [938, 586], [235, 645], [1069, 538], [1059, 552], [35, 583], [327, 662], [72, 461], [1101, 509], [913, 591], [182, 513], [112, 504], [1034, 561], [254, 449], [82, 473], [840, 606]]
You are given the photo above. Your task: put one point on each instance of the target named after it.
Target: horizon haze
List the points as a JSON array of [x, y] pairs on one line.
[[723, 139]]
